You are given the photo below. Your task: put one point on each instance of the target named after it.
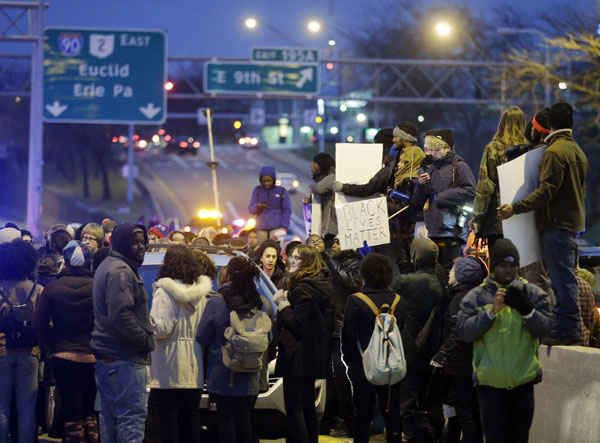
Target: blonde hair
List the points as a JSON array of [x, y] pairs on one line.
[[511, 129], [96, 230], [311, 264]]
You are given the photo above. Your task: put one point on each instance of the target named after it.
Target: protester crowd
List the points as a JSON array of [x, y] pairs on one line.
[[470, 318]]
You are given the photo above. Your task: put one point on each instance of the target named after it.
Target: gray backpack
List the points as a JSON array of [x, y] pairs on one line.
[[247, 339]]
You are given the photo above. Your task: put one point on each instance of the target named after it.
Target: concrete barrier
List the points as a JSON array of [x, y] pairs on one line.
[[567, 402]]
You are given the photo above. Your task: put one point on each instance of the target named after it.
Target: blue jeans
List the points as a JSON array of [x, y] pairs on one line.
[[19, 372], [560, 256], [123, 399]]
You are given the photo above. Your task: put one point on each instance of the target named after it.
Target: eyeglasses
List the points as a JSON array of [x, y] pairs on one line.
[[88, 238], [312, 242]]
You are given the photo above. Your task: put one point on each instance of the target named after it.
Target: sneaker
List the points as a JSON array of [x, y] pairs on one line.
[[562, 340]]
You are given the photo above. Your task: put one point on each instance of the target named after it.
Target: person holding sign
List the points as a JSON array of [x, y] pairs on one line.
[[445, 191], [323, 173], [560, 216]]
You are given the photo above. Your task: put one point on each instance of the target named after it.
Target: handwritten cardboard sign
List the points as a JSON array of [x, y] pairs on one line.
[[364, 220]]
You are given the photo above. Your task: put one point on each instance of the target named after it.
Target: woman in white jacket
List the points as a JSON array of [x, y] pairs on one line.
[[176, 373]]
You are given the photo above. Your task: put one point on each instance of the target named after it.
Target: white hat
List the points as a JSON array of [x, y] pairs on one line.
[[9, 234]]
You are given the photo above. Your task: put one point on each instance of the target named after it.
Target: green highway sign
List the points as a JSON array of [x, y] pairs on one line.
[[284, 55], [235, 78], [104, 76]]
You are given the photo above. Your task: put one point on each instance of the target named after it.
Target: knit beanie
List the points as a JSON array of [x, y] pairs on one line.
[[385, 136], [406, 131], [77, 254], [108, 226], [444, 134], [504, 251], [160, 230], [469, 269]]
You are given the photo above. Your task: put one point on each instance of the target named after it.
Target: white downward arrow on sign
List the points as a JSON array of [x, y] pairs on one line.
[[305, 75], [56, 109], [149, 110]]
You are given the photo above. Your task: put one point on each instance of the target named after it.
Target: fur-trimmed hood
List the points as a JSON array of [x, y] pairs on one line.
[[188, 295]]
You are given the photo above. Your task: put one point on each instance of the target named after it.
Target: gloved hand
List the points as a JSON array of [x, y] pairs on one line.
[[516, 297], [338, 186], [280, 299], [366, 249]]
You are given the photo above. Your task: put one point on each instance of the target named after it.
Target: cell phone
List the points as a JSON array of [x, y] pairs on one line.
[[420, 171]]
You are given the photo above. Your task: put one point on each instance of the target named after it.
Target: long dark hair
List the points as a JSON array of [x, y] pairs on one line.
[[311, 264], [180, 263], [241, 273], [18, 261]]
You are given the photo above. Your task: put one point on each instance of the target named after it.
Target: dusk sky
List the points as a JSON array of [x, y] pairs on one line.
[[216, 28]]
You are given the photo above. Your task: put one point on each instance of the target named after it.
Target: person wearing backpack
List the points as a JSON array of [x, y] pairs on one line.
[[65, 319], [233, 376], [305, 324], [176, 372], [423, 293], [20, 357], [357, 331], [271, 205]]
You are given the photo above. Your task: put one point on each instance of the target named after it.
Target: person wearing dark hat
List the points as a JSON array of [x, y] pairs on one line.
[[455, 356], [271, 205], [123, 336], [323, 174], [445, 191], [505, 318], [559, 205], [484, 219], [64, 319], [401, 176]]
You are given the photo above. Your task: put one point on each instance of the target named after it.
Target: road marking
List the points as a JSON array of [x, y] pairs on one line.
[[177, 159], [234, 213]]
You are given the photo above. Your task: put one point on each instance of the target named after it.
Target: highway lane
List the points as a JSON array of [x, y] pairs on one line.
[[182, 185]]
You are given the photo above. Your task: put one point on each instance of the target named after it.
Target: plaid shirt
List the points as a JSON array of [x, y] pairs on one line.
[[587, 307]]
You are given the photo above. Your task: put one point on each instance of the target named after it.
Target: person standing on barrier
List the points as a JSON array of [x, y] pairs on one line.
[[559, 207], [505, 318]]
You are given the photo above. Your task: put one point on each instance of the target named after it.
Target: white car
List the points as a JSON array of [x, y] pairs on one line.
[[288, 180]]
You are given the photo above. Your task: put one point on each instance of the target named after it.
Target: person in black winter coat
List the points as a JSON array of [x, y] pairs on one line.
[[376, 272], [64, 319], [305, 323], [344, 274], [455, 356], [421, 291]]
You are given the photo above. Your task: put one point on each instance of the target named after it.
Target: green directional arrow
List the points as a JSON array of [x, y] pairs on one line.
[[231, 78]]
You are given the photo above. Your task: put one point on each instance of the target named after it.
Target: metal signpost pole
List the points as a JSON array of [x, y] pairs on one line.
[[130, 165], [36, 129], [213, 164]]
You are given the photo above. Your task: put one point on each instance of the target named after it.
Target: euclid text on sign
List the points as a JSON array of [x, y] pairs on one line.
[[104, 75], [364, 220]]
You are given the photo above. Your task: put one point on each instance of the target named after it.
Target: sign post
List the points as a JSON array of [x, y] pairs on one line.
[[104, 76], [235, 78]]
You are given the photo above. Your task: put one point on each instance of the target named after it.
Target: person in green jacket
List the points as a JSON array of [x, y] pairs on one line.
[[559, 207], [505, 318]]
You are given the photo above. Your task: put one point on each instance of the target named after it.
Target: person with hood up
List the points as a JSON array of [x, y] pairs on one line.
[[455, 356], [421, 291], [305, 324], [442, 191], [234, 392], [65, 319], [271, 205], [484, 221], [323, 174], [123, 336], [505, 318], [176, 373]]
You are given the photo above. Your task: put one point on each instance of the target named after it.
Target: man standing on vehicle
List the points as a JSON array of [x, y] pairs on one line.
[[560, 215], [122, 338]]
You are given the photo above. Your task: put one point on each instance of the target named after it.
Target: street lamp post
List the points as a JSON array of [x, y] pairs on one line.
[[542, 36]]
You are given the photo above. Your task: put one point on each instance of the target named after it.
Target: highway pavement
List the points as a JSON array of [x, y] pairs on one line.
[[181, 185]]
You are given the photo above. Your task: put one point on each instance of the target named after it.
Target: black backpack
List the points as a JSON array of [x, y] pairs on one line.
[[16, 322]]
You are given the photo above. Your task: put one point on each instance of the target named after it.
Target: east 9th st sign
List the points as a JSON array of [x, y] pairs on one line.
[[234, 77], [104, 76]]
